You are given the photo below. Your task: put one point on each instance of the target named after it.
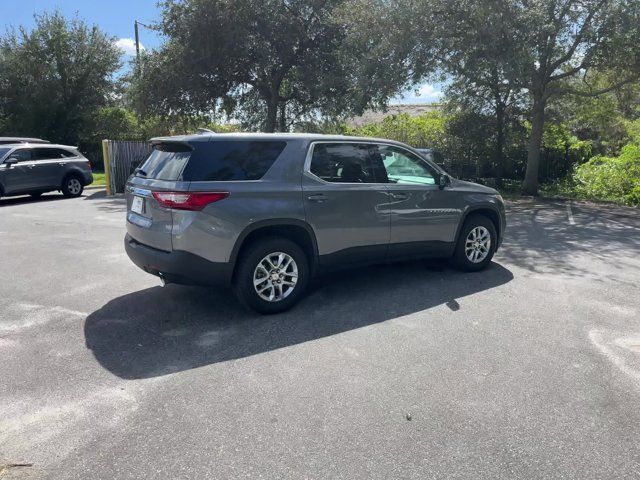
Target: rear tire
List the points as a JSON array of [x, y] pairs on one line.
[[272, 267], [72, 186], [476, 245]]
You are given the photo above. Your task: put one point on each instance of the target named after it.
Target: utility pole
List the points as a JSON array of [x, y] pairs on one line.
[[135, 27], [137, 36]]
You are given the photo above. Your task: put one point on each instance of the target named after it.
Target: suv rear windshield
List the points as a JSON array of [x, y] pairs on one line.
[[225, 160], [229, 160], [165, 162]]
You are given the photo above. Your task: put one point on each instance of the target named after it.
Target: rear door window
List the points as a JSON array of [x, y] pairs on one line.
[[165, 162], [232, 160], [50, 153], [343, 162]]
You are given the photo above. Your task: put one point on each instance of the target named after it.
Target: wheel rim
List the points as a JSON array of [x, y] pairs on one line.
[[275, 277], [74, 186], [477, 244]]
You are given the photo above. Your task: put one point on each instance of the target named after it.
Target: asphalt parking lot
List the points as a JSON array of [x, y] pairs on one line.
[[530, 369]]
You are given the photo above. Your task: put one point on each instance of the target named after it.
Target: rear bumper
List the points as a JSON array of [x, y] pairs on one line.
[[178, 266]]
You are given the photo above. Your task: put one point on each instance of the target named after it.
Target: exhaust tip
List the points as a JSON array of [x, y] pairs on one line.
[[163, 280]]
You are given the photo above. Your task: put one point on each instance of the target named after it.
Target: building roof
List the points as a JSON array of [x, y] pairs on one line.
[[376, 116]]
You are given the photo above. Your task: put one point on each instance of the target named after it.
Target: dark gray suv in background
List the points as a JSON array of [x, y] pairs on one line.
[[33, 169], [266, 212]]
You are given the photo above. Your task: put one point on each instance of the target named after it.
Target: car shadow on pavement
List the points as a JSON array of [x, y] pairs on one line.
[[162, 330], [25, 199], [108, 203]]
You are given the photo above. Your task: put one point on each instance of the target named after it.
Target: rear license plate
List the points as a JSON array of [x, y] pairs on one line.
[[137, 205]]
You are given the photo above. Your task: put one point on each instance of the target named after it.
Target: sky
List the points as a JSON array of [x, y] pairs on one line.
[[116, 17]]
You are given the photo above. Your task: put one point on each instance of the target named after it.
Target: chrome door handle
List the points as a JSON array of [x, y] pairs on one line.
[[317, 198], [399, 196], [62, 164], [30, 166]]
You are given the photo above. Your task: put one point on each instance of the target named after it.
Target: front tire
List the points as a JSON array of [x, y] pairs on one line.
[[72, 187], [272, 275], [476, 244]]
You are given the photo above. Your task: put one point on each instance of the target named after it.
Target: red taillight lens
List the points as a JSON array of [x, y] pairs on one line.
[[188, 200]]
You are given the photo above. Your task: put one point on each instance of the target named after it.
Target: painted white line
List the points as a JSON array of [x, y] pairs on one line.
[[597, 338], [570, 214]]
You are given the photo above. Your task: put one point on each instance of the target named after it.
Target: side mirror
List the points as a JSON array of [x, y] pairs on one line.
[[10, 161], [444, 180]]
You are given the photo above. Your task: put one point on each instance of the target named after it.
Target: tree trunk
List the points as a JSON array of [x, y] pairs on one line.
[[283, 117], [499, 171], [530, 184], [271, 120]]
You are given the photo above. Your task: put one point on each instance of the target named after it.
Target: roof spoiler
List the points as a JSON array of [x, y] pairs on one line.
[[202, 131]]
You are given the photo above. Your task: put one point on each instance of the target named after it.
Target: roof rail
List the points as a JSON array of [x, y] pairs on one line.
[[201, 131]]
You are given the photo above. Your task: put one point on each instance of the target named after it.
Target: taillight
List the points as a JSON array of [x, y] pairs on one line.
[[188, 200], [89, 163]]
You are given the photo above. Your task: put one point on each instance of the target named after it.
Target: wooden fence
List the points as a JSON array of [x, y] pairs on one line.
[[121, 158]]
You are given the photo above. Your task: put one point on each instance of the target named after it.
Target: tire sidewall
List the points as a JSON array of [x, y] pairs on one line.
[[254, 253], [460, 258]]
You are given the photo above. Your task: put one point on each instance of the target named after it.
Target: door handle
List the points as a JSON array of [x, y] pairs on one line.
[[62, 164], [319, 197], [30, 166], [399, 196]]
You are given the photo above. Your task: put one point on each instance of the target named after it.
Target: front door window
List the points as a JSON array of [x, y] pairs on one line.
[[404, 168]]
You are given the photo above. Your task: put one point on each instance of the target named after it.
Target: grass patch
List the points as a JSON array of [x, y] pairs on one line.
[[98, 180]]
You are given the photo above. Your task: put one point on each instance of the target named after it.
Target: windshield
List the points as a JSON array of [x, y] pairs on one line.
[[165, 162]]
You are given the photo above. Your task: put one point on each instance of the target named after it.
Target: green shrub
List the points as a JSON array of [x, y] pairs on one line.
[[611, 178], [426, 130]]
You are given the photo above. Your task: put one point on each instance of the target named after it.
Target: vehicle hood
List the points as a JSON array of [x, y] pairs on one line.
[[463, 186]]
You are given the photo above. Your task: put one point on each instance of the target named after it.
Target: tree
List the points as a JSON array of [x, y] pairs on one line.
[[275, 61], [472, 50], [54, 79], [545, 44], [602, 119], [490, 98]]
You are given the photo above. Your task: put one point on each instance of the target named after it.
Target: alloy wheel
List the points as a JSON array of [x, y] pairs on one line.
[[477, 244], [74, 186], [275, 277]]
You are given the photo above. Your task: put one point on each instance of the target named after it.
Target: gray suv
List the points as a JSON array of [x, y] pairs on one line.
[[27, 169], [266, 212]]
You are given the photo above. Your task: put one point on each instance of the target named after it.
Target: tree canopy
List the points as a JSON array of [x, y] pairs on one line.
[[54, 78], [548, 48], [279, 61]]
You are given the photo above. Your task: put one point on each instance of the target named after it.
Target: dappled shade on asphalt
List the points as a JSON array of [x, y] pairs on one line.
[[541, 238], [159, 331]]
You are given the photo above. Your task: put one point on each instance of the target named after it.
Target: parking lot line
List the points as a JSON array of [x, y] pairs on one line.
[[570, 214]]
